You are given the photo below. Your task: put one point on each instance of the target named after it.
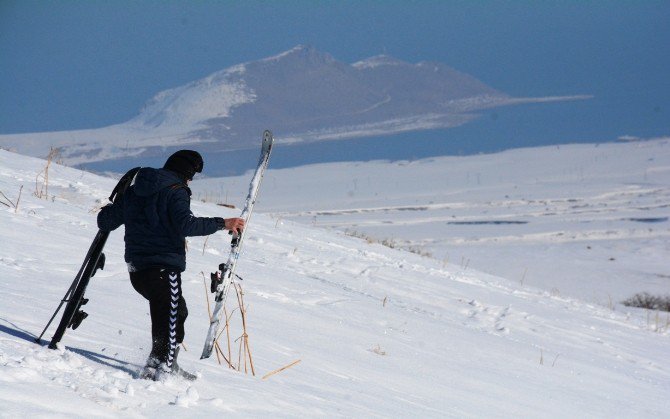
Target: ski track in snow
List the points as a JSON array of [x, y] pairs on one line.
[[380, 332]]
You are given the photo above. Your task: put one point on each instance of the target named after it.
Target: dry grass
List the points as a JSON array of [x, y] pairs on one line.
[[648, 301], [42, 178], [8, 202], [244, 357]]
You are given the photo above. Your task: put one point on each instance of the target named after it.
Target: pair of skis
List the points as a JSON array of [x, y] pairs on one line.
[[221, 280], [94, 260]]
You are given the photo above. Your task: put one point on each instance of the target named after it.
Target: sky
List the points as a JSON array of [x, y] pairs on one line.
[[72, 64]]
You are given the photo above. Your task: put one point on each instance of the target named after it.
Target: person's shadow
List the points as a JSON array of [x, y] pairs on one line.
[[17, 332]]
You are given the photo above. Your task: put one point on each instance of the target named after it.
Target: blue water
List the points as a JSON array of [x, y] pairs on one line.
[[531, 125]]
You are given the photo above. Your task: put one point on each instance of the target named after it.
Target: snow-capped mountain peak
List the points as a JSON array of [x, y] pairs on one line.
[[303, 94]]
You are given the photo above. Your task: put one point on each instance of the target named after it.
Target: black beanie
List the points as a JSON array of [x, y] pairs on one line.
[[185, 163]]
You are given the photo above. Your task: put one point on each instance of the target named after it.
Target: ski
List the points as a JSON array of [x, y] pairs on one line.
[[223, 278], [73, 315]]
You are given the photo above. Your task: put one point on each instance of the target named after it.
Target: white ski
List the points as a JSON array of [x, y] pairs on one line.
[[223, 278]]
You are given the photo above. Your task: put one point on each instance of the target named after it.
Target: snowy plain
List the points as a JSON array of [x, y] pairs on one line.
[[379, 331], [583, 220]]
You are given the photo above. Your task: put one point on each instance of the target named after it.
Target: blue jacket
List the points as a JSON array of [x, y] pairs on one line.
[[156, 210]]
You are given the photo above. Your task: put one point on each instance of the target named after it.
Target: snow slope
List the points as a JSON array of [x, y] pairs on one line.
[[588, 221], [379, 332]]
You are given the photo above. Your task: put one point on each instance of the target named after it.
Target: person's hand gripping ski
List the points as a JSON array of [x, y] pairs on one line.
[[234, 226]]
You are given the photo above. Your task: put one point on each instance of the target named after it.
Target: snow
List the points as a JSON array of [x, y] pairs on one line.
[[376, 61], [190, 105], [587, 221], [379, 332], [298, 49]]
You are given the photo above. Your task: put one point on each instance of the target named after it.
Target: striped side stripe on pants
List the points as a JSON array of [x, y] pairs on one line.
[[175, 295]]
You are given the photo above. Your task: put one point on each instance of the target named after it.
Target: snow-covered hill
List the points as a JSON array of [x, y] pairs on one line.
[[378, 331], [599, 213], [303, 94]]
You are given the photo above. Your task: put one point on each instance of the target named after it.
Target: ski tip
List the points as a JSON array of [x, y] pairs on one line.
[[268, 139], [266, 145]]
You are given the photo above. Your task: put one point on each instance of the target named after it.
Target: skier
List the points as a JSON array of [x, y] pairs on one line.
[[157, 216]]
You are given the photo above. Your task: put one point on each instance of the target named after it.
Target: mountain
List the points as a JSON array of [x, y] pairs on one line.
[[303, 94], [307, 95]]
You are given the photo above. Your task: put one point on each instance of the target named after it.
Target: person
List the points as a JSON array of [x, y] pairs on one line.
[[155, 210]]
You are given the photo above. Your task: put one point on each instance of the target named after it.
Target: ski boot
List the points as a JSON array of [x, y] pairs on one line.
[[150, 368], [163, 370]]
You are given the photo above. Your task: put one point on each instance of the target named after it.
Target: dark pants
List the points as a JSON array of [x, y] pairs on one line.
[[162, 287]]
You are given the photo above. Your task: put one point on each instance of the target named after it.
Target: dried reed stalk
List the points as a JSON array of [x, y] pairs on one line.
[[226, 328], [204, 246], [244, 349], [220, 351], [245, 336], [43, 190], [16, 207], [281, 369], [225, 313], [204, 282]]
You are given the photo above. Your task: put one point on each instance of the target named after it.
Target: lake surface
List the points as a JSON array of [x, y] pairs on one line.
[[531, 125]]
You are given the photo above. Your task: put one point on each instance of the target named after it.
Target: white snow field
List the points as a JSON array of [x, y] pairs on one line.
[[379, 332], [588, 221]]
